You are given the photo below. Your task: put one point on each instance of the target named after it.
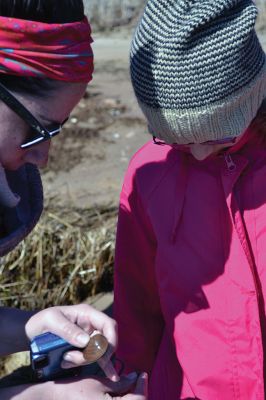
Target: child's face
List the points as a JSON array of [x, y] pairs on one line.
[[201, 151]]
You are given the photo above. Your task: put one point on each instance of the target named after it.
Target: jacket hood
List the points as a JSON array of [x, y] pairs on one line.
[[19, 218]]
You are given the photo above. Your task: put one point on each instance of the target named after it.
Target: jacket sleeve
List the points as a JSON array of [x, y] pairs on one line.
[[137, 305]]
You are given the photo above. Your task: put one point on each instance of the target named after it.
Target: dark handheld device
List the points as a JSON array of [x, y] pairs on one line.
[[47, 351]]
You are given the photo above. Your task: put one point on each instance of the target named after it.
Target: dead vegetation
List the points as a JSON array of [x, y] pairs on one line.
[[68, 257]]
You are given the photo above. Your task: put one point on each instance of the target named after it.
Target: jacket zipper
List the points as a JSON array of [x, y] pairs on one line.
[[231, 166]]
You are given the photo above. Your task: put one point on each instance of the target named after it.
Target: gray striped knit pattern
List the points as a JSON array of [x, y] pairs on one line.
[[197, 68]]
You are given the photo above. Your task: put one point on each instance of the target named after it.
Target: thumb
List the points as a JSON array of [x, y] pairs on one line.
[[141, 388], [140, 392], [124, 385]]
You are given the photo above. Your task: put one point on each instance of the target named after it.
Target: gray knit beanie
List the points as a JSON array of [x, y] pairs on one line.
[[198, 69]]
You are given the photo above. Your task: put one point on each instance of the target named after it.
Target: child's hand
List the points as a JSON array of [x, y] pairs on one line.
[[140, 392], [74, 324]]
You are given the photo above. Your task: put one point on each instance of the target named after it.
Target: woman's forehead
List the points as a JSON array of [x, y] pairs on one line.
[[58, 104]]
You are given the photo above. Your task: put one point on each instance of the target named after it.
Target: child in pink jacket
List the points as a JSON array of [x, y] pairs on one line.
[[190, 276]]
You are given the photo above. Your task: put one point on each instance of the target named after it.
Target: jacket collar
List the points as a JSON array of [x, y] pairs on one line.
[[230, 164]]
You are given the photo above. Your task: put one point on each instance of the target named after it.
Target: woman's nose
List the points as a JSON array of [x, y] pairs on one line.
[[38, 155]]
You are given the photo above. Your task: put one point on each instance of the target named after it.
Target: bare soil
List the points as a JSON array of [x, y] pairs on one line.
[[88, 159]]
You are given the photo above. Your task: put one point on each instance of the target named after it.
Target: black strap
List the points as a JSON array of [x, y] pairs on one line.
[[20, 110]]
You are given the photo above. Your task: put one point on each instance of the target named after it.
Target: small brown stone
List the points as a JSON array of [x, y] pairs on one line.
[[96, 348]]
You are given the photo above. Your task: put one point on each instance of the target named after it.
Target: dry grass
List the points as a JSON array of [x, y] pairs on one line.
[[68, 257]]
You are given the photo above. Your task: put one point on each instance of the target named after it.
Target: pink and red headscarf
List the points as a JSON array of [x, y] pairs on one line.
[[57, 51]]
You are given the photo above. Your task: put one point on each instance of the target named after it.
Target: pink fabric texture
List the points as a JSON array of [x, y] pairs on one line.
[[190, 274], [57, 51]]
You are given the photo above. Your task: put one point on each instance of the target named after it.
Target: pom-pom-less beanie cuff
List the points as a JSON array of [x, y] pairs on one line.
[[226, 118]]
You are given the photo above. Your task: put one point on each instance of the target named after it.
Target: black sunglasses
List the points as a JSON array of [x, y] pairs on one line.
[[41, 134]]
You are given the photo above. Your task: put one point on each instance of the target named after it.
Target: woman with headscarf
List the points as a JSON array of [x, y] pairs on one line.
[[46, 62]]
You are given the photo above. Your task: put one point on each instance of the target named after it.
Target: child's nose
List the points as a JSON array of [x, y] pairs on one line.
[[38, 155]]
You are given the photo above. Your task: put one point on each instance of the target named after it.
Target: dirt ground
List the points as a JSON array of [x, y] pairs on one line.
[[89, 158]]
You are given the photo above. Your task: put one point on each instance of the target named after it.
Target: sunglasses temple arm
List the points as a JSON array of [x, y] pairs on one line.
[[20, 110]]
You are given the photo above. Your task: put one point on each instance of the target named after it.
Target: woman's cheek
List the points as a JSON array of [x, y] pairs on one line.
[[38, 155]]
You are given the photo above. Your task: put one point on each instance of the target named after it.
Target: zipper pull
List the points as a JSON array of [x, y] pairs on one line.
[[231, 166]]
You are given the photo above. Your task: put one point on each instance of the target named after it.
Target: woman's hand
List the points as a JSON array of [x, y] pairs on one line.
[[74, 324], [103, 389], [83, 389]]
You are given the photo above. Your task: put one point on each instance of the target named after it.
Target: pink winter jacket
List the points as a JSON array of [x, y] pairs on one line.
[[190, 276]]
